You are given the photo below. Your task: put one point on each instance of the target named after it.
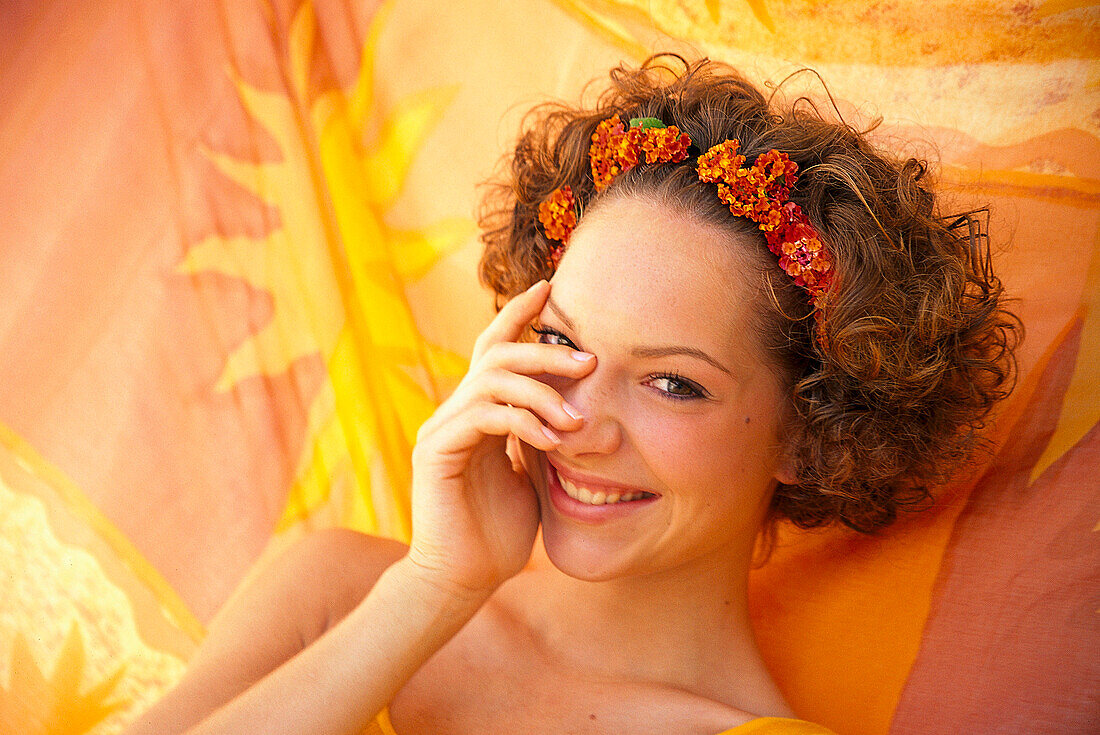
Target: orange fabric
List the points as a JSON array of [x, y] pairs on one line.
[[777, 726], [1016, 600], [381, 724], [237, 254]]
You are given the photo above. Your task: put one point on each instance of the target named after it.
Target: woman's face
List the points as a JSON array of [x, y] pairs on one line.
[[681, 406]]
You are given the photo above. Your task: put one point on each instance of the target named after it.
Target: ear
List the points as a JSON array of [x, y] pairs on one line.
[[515, 454], [786, 472]]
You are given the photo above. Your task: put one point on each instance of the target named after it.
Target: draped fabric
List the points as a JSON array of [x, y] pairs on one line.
[[238, 269]]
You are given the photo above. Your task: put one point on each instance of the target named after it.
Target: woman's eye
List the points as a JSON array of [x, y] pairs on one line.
[[548, 336], [676, 387]]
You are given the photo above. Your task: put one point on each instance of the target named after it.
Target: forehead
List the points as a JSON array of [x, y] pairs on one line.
[[642, 262]]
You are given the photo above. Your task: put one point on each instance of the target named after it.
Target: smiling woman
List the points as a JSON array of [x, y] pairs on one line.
[[715, 314], [683, 404], [885, 325]]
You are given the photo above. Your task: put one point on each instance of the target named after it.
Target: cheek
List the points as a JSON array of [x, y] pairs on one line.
[[683, 446], [689, 450]]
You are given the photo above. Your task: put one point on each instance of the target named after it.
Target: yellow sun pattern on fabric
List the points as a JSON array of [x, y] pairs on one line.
[[335, 271], [32, 704], [84, 643], [615, 19]]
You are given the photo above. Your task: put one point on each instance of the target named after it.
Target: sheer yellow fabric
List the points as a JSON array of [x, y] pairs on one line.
[[759, 726]]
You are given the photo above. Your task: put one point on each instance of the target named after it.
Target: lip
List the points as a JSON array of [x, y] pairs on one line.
[[584, 513]]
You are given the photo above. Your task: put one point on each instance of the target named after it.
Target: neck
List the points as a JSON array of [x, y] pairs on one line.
[[686, 628]]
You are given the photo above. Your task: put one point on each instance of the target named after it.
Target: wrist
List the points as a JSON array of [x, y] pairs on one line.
[[437, 586]]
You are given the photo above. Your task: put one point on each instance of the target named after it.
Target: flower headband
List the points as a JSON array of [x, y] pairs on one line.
[[760, 192]]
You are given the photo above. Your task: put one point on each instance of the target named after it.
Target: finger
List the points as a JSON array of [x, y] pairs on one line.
[[501, 386], [509, 324], [533, 358], [497, 385], [494, 419]]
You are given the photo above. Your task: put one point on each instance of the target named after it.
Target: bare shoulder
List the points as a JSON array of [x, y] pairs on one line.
[[329, 572], [291, 601]]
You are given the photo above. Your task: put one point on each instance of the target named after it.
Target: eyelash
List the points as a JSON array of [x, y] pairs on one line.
[[697, 391], [548, 332]]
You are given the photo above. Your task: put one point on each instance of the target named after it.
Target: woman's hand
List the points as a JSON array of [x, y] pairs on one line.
[[475, 517]]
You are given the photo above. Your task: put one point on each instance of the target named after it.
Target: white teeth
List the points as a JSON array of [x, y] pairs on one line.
[[599, 497]]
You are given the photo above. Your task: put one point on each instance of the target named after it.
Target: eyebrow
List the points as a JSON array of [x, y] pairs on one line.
[[647, 352], [559, 313], [679, 350]]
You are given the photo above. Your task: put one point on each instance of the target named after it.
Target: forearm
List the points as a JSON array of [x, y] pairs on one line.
[[346, 676]]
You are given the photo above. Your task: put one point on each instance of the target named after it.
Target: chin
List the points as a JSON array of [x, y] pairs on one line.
[[580, 558], [589, 553], [592, 543], [568, 553]]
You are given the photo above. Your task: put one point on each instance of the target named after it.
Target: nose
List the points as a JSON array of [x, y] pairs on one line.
[[599, 400]]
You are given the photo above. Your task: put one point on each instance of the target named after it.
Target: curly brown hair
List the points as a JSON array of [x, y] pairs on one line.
[[918, 343]]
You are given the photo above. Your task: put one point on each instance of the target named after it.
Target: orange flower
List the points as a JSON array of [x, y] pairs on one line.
[[558, 214], [778, 172], [616, 149], [664, 145], [721, 162], [760, 192], [604, 153]]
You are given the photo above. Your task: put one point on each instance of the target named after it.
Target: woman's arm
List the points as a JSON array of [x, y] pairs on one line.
[[340, 682], [474, 522], [272, 617]]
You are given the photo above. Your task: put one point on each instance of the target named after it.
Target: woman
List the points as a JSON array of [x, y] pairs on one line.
[[751, 315]]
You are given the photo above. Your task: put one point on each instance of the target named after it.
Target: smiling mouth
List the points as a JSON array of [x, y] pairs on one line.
[[582, 494]]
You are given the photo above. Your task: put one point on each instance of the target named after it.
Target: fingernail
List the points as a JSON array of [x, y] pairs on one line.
[[551, 435], [571, 411], [535, 285], [581, 356]]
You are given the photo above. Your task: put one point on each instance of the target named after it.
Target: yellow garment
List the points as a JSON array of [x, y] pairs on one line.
[[759, 726]]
